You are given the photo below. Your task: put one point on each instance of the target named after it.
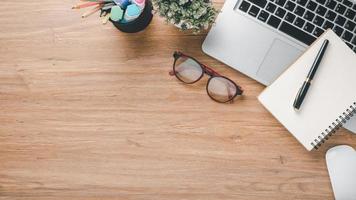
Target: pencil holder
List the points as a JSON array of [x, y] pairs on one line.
[[138, 24]]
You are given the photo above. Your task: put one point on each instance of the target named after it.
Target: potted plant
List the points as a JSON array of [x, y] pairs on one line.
[[194, 15], [128, 16]]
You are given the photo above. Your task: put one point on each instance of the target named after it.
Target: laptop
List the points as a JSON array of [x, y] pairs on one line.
[[261, 38]]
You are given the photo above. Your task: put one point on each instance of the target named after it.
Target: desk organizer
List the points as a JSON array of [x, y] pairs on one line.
[[138, 24]]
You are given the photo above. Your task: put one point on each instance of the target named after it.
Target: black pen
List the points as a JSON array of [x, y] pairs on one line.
[[305, 87]]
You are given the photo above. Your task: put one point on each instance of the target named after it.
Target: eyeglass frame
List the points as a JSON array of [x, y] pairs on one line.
[[208, 71]]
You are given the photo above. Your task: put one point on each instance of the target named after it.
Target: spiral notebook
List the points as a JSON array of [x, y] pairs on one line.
[[331, 99]]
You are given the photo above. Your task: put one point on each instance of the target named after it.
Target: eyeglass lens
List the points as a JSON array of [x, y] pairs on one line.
[[221, 89], [187, 69]]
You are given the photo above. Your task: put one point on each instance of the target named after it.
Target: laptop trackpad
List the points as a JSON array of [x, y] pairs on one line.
[[278, 58]]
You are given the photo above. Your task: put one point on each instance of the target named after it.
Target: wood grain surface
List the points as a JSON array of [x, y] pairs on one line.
[[88, 112]]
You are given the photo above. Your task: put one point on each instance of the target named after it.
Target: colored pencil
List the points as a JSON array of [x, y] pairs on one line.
[[99, 1], [106, 18], [90, 12], [85, 5]]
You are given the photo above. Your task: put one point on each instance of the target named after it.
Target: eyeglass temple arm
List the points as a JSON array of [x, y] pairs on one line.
[[213, 72]]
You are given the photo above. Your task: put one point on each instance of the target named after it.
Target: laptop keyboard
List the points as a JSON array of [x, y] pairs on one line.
[[305, 20]]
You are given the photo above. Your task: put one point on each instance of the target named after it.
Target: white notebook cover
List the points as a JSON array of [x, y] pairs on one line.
[[333, 90]]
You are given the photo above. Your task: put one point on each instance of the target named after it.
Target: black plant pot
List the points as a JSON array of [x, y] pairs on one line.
[[138, 24]]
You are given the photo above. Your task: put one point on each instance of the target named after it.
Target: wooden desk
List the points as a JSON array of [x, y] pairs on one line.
[[88, 112]]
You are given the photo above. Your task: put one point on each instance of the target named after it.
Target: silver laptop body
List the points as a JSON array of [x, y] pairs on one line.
[[249, 46]]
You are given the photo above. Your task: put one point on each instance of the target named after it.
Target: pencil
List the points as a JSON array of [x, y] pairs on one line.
[[90, 12], [99, 1], [85, 5], [106, 18]]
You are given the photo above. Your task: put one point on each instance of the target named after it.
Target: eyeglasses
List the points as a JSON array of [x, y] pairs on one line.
[[189, 71]]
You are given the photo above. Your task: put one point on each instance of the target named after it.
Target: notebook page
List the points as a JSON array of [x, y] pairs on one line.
[[331, 93]]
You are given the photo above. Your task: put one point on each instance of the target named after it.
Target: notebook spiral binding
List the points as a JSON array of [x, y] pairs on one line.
[[334, 126]]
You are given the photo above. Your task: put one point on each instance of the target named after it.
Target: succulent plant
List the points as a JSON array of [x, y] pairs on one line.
[[195, 15]]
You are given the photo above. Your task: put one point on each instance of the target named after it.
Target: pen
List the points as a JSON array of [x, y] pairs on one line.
[[305, 87]]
